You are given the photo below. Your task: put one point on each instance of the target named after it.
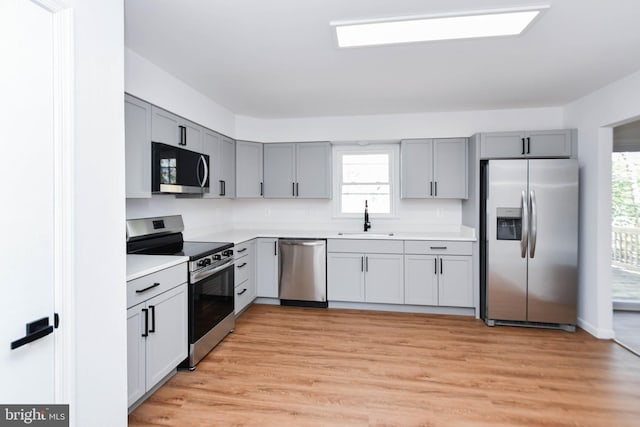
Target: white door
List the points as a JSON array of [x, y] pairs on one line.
[[28, 214]]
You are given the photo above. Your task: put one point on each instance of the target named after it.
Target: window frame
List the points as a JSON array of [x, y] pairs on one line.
[[393, 150]]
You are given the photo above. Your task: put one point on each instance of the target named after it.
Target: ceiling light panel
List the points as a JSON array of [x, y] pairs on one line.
[[431, 28]]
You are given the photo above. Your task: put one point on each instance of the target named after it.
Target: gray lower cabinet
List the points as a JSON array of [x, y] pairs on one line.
[[438, 273], [267, 267], [245, 275], [156, 328], [365, 271], [524, 144], [171, 129], [297, 170], [434, 168], [249, 175], [137, 135], [222, 165]]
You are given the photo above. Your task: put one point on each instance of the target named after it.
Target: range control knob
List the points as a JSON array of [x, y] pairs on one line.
[[228, 252], [217, 257], [202, 263]]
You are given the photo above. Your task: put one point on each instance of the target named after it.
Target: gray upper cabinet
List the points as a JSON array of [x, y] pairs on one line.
[[137, 132], [434, 168], [313, 170], [171, 129], [300, 170], [521, 144], [279, 170], [222, 165], [248, 169]]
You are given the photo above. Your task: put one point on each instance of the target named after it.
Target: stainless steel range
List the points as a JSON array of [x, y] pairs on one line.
[[211, 279]]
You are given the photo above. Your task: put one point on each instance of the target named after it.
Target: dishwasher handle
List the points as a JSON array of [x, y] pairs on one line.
[[302, 242]]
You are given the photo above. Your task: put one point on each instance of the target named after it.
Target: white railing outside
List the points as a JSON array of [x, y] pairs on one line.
[[625, 248]]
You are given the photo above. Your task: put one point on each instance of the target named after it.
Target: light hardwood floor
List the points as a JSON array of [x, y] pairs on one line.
[[289, 366]]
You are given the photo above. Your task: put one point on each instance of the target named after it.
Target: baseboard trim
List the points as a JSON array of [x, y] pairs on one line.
[[600, 333]]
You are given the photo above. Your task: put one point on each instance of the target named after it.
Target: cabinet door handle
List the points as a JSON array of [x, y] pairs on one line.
[[440, 265], [224, 188], [183, 135], [153, 319], [366, 263], [297, 189], [431, 188], [221, 190], [146, 322], [528, 145], [435, 266], [442, 248], [275, 248], [522, 146], [139, 291], [293, 189], [435, 186], [362, 263], [262, 189], [241, 250], [244, 264], [242, 291]]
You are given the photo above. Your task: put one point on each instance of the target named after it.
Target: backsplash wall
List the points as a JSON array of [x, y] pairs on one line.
[[203, 216]]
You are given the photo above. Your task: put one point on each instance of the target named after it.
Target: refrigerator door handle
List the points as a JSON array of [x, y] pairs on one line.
[[525, 225], [534, 223]]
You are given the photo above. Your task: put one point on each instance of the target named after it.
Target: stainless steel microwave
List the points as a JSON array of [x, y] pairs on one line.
[[175, 170]]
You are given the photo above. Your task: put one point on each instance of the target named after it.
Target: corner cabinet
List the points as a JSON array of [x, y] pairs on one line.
[[524, 144], [365, 271], [222, 165], [249, 172], [137, 136], [267, 267], [438, 273], [171, 129], [434, 168], [297, 170], [156, 328]]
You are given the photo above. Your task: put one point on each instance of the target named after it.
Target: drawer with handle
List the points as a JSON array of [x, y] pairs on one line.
[[437, 247], [242, 249], [244, 269], [145, 287], [243, 296]]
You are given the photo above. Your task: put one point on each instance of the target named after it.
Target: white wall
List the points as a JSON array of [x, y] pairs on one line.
[[397, 126], [593, 116], [149, 82], [100, 363]]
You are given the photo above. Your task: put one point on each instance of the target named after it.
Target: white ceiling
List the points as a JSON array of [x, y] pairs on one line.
[[278, 58]]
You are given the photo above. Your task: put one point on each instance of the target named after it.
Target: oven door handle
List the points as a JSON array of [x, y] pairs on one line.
[[199, 275]]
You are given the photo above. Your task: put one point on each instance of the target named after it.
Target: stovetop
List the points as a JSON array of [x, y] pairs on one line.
[[195, 250]]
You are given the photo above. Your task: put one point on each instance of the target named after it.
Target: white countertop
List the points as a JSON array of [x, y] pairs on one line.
[[236, 236], [141, 265]]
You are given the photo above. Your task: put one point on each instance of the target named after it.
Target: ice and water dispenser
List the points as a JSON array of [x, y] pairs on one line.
[[509, 223]]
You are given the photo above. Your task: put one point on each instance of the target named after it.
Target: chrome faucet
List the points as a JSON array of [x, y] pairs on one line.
[[367, 224]]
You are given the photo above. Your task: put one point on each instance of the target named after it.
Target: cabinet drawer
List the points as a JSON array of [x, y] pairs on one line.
[[244, 268], [430, 247], [143, 288], [365, 246], [242, 249], [243, 297]]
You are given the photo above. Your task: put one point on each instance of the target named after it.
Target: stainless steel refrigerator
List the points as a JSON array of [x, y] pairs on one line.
[[529, 251]]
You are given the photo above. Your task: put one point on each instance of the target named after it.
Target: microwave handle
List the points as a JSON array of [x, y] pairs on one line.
[[206, 171]]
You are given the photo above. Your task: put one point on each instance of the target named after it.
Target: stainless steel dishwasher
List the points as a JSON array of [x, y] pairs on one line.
[[303, 272]]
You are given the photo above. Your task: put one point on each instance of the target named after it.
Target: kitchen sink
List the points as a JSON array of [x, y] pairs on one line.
[[364, 234]]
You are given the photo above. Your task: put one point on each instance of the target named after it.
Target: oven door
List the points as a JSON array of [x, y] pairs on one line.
[[210, 300]]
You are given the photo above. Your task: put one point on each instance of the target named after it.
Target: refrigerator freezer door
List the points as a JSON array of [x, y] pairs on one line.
[[553, 265], [506, 291]]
